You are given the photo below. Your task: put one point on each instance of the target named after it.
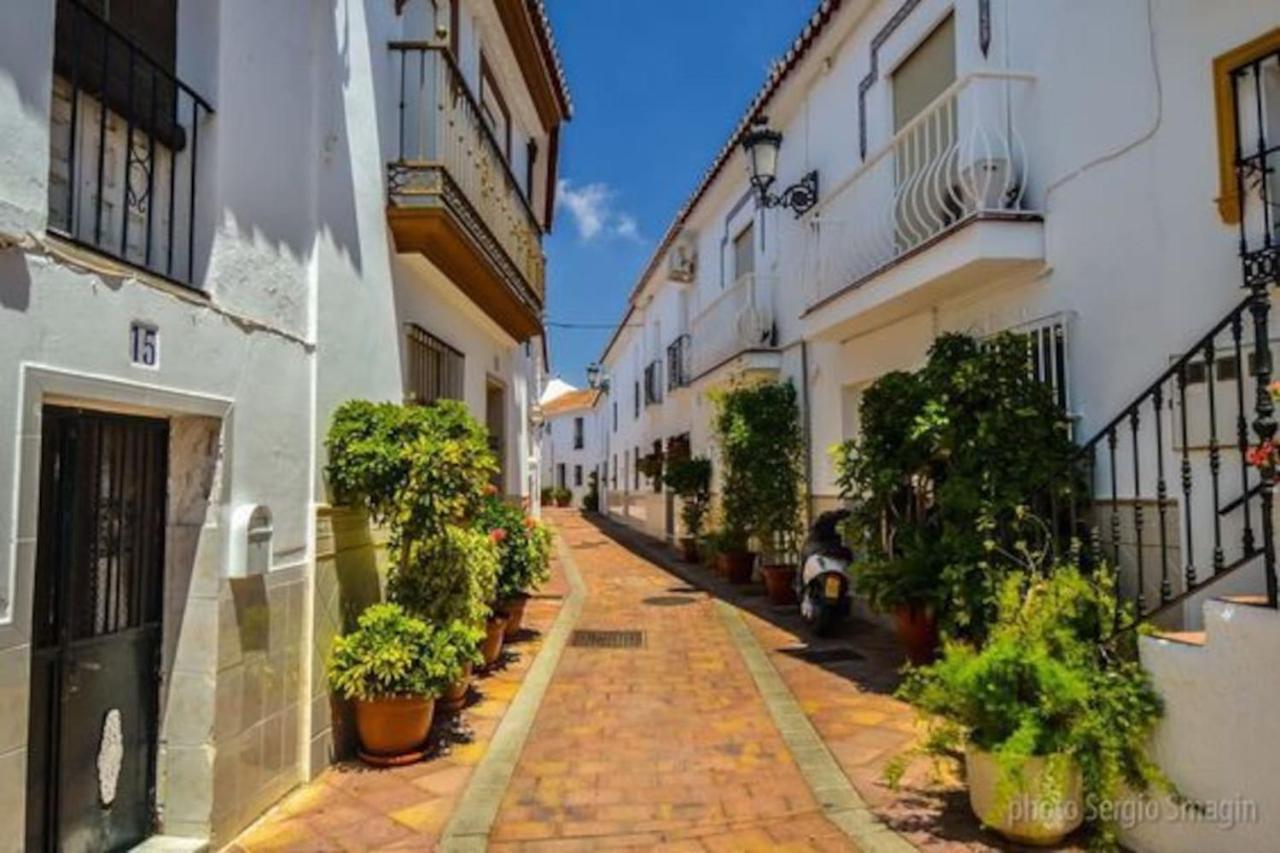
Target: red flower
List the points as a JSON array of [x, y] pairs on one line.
[[1262, 455], [497, 535], [530, 522]]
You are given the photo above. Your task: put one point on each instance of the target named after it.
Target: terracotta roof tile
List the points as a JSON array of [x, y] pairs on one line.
[[584, 398]]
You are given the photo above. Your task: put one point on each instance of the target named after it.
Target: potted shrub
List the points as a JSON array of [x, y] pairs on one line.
[[524, 558], [939, 477], [1045, 716], [392, 668], [463, 644], [690, 480], [762, 459], [547, 495], [563, 496]]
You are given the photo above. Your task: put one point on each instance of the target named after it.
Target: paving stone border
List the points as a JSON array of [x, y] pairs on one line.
[[841, 803], [468, 829]]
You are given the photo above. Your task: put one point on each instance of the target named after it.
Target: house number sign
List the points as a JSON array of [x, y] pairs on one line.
[[144, 344]]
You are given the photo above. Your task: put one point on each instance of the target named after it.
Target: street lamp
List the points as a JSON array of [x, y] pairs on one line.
[[761, 144]]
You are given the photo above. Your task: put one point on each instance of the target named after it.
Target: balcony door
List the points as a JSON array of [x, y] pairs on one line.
[[925, 149]]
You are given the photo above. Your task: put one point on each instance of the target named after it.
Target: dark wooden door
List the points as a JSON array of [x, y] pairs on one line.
[[96, 631]]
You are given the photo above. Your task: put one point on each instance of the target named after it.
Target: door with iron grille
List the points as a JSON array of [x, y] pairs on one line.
[[96, 631]]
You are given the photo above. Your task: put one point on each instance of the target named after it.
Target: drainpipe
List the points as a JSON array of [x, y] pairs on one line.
[[808, 433]]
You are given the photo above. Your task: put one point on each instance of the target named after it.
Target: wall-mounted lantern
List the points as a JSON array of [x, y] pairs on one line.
[[761, 144], [251, 537]]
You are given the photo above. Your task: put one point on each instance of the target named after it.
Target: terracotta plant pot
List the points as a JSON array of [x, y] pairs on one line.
[[493, 630], [689, 549], [779, 582], [917, 628], [1031, 815], [456, 696], [737, 566], [393, 730], [514, 608]]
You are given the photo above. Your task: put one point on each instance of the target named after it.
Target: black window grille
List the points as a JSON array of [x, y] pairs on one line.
[[679, 369], [579, 433], [435, 369], [125, 136]]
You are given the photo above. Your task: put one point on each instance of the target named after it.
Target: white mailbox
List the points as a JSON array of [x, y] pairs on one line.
[[251, 534]]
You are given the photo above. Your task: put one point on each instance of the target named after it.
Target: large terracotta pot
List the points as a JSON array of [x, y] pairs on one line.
[[737, 566], [393, 729], [689, 549], [493, 631], [917, 628], [514, 608], [779, 582], [1031, 815], [456, 696]]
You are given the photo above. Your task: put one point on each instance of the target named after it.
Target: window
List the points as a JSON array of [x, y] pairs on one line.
[[925, 73], [678, 367], [577, 475], [635, 471], [434, 369], [1047, 355], [124, 135], [1231, 74], [615, 415], [744, 252], [636, 396], [579, 439], [494, 108], [560, 482], [530, 163], [656, 480], [614, 478], [653, 383]]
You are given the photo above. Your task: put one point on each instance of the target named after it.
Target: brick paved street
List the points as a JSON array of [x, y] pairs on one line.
[[669, 743]]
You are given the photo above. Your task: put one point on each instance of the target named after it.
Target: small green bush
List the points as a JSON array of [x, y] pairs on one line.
[[394, 654], [450, 576], [1045, 684], [690, 479]]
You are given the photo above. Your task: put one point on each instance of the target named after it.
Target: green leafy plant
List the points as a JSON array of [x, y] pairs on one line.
[[548, 495], [591, 500], [945, 464], [394, 654], [1045, 684], [563, 496], [449, 576], [690, 480], [762, 464], [524, 547]]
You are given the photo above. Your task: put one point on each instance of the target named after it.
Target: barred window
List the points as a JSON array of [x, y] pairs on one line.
[[434, 368]]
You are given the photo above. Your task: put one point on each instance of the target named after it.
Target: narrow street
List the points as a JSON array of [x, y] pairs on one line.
[[669, 741]]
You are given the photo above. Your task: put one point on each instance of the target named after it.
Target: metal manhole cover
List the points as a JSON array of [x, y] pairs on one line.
[[588, 639], [827, 654], [669, 600]]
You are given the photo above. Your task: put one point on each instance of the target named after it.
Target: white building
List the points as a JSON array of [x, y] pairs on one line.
[[570, 441], [1063, 169], [260, 224]]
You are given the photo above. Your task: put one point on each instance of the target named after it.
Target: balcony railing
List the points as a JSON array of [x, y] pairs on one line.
[[679, 363], [1256, 86], [740, 318], [447, 153], [962, 157], [124, 148]]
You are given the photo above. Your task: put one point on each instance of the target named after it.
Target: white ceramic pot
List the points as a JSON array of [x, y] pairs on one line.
[[1029, 816]]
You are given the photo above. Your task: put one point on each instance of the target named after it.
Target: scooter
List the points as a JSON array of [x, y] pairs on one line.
[[822, 584]]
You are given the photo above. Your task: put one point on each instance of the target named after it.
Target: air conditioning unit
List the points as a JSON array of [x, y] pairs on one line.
[[988, 184], [682, 263]]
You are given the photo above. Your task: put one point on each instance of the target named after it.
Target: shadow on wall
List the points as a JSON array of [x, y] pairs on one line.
[[351, 571], [15, 281]]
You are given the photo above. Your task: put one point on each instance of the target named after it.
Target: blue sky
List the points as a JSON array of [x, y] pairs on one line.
[[657, 86]]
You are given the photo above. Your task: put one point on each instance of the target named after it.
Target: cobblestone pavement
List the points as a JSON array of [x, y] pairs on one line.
[[354, 807], [667, 745]]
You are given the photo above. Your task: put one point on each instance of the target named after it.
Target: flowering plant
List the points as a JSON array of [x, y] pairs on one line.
[[1265, 456]]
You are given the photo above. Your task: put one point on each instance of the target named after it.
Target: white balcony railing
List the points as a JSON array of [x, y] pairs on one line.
[[739, 318], [961, 157]]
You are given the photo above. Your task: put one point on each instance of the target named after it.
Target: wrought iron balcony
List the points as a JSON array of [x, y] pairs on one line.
[[124, 148], [453, 196], [962, 158], [739, 319], [1256, 86]]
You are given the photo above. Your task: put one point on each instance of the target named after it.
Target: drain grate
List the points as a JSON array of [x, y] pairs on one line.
[[588, 639], [827, 654], [669, 600]]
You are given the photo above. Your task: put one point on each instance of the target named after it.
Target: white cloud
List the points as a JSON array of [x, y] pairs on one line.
[[592, 208]]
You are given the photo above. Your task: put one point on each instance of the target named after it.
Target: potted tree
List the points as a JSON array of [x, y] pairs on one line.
[[690, 480], [392, 668], [1045, 715]]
